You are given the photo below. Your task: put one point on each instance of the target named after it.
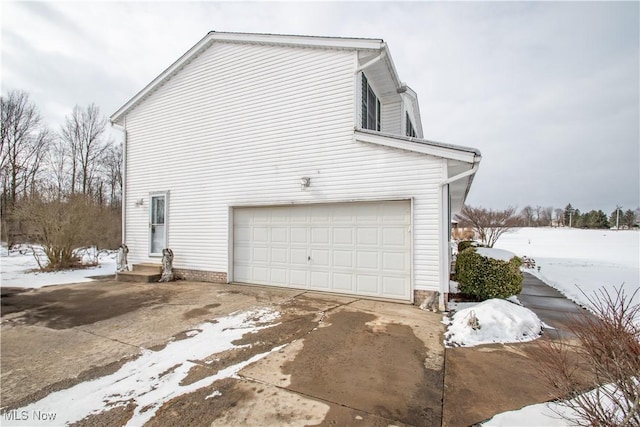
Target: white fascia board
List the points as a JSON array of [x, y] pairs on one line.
[[301, 41], [391, 66], [294, 40], [419, 146], [416, 109]]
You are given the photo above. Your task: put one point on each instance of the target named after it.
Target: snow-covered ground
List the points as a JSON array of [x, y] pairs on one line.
[[574, 260], [18, 268]]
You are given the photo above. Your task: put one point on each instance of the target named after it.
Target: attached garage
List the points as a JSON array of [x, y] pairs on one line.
[[350, 248]]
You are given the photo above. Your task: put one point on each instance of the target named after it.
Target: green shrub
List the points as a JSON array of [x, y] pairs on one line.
[[464, 244], [486, 278]]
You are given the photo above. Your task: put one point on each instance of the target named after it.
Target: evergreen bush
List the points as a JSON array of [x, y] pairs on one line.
[[466, 244], [486, 278]]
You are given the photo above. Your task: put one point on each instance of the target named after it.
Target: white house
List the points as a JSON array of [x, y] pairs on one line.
[[291, 161]]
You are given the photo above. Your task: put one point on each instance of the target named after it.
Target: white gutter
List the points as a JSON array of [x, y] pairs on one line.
[[124, 174]]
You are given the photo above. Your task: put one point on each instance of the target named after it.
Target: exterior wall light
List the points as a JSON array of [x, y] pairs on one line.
[[139, 202], [305, 182]]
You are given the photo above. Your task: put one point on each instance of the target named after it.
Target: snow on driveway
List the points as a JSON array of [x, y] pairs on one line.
[[153, 378]]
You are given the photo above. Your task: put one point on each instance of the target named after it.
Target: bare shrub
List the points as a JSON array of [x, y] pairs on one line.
[[62, 226], [462, 233], [487, 223], [606, 360]]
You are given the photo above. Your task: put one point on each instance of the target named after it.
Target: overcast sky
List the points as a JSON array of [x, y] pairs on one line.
[[549, 92]]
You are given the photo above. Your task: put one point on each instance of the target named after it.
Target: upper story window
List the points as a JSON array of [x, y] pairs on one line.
[[409, 129], [370, 107]]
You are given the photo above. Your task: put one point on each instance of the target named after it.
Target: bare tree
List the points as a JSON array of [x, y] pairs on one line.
[[547, 216], [82, 132], [112, 164], [23, 143], [539, 215], [527, 215], [489, 224], [559, 215]]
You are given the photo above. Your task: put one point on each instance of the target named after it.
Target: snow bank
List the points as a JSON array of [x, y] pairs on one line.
[[573, 260], [499, 254], [492, 321]]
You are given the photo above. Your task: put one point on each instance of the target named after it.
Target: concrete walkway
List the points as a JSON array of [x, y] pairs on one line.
[[550, 306]]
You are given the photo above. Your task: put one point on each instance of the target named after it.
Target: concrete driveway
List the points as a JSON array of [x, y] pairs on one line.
[[323, 359]]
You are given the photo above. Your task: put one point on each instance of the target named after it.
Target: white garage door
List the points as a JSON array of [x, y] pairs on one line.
[[351, 248]]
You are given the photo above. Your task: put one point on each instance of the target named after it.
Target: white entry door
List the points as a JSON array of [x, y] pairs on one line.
[[157, 223], [350, 248]]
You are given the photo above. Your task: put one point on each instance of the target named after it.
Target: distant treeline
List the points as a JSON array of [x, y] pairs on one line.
[[572, 217]]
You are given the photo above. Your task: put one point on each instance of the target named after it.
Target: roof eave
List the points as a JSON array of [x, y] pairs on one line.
[[437, 149]]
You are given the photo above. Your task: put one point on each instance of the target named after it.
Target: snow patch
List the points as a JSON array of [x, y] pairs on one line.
[[19, 267], [492, 321], [494, 253]]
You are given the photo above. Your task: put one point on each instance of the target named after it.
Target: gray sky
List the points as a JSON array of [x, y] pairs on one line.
[[549, 92]]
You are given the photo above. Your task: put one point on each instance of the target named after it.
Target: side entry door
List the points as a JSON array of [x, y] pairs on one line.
[[157, 223]]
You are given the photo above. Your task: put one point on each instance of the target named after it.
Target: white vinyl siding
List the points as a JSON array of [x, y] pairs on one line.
[[239, 126], [392, 117]]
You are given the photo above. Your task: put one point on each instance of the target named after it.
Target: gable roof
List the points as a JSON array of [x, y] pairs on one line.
[[318, 42]]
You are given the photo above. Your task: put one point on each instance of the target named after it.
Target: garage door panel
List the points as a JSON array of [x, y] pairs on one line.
[[242, 254], [279, 256], [319, 280], [395, 261], [351, 248], [242, 273], [367, 236], [279, 276], [299, 278], [343, 236], [260, 274], [394, 286], [299, 235], [342, 258], [242, 234], [260, 234], [320, 236], [368, 260], [367, 284], [320, 258], [394, 236], [343, 282], [299, 257], [279, 234]]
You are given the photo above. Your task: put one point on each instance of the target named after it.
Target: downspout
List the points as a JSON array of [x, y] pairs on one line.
[[123, 129], [445, 253]]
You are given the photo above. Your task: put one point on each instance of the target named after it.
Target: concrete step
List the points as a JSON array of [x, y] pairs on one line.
[[138, 276], [147, 268]]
